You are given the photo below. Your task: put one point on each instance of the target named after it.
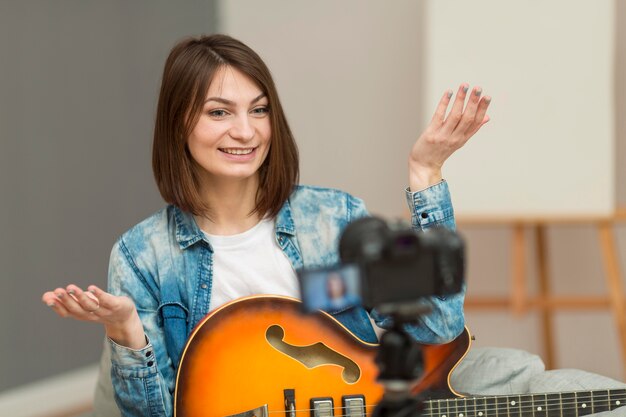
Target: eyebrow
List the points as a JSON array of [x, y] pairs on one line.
[[231, 103]]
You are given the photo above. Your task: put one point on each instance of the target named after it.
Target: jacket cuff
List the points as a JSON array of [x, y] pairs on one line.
[[133, 362], [430, 206]]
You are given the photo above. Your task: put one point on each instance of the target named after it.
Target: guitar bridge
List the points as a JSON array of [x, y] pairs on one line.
[[257, 412]]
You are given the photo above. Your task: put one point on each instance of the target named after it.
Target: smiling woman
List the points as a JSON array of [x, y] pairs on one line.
[[215, 105], [231, 139], [237, 223]]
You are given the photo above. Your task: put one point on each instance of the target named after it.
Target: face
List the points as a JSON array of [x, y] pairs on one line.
[[335, 286], [232, 137]]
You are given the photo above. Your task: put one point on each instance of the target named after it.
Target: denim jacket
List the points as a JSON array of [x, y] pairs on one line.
[[164, 264]]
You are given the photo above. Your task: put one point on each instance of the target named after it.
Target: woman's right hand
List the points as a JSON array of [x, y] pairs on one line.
[[117, 313]]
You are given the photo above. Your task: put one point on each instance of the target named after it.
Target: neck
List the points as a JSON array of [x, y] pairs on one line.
[[564, 404], [231, 202]]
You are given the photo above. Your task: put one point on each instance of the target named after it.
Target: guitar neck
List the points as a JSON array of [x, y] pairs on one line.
[[564, 404]]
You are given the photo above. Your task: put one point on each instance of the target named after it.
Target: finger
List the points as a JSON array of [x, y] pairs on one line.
[[454, 117], [442, 107], [477, 128], [479, 118], [469, 115], [68, 299], [87, 301], [60, 309], [106, 300], [50, 299]]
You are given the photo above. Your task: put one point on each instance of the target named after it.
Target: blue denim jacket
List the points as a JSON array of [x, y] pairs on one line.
[[165, 265]]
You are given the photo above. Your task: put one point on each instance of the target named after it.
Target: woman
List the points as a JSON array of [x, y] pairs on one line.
[[237, 223]]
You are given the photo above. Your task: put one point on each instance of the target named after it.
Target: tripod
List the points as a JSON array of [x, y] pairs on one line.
[[400, 363]]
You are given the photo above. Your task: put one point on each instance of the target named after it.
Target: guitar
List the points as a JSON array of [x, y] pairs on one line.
[[261, 355]]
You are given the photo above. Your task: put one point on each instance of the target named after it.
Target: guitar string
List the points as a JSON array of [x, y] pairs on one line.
[[313, 409], [564, 405], [456, 413], [514, 410], [548, 401], [433, 413], [530, 401]]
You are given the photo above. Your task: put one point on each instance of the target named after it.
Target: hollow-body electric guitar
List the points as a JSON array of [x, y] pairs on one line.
[[260, 356]]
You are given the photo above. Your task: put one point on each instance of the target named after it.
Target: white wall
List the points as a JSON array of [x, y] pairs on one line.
[[549, 148]]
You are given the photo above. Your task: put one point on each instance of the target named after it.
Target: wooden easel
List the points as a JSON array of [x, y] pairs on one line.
[[546, 302]]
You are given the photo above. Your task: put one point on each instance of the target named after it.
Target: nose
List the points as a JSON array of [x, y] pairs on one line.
[[242, 129]]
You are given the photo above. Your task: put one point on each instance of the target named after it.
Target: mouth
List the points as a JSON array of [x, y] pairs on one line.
[[237, 151]]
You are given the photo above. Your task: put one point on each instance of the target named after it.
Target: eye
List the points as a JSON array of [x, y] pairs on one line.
[[261, 110], [217, 113]]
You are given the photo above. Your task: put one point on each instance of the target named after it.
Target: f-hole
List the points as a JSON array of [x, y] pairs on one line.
[[311, 356]]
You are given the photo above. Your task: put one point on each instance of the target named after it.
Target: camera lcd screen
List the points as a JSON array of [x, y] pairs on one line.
[[330, 289]]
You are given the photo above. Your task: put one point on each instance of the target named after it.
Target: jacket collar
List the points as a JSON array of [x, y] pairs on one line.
[[284, 220], [188, 232]]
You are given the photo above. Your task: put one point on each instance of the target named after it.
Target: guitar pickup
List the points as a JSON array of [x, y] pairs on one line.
[[353, 405], [322, 407]]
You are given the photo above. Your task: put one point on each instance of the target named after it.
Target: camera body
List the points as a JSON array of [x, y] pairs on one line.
[[386, 265]]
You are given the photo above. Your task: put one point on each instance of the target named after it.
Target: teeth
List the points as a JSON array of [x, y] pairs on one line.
[[238, 151]]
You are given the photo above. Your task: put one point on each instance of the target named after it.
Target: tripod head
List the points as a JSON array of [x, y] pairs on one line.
[[400, 363]]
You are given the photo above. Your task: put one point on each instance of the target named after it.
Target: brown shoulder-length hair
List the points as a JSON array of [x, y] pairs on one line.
[[189, 70]]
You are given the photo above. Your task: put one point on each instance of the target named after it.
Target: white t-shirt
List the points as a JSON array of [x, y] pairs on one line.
[[250, 263]]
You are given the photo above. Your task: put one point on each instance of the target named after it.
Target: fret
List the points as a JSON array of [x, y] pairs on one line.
[[514, 405], [568, 403], [471, 407], [600, 400], [427, 409], [501, 408], [451, 405], [583, 403], [461, 407], [480, 407], [432, 408], [617, 398], [526, 405], [492, 408], [537, 406], [553, 405]]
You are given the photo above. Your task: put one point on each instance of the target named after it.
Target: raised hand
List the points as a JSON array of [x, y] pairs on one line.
[[444, 135], [117, 314]]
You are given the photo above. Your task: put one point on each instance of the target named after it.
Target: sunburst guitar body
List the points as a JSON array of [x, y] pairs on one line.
[[260, 355]]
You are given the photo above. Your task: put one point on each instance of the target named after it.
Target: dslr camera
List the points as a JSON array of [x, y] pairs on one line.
[[385, 266]]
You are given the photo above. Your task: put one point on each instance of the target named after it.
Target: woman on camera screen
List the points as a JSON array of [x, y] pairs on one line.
[[237, 222]]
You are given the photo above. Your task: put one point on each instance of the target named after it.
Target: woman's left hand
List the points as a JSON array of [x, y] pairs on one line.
[[444, 135]]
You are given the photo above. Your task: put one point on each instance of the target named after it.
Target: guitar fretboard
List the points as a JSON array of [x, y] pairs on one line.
[[566, 404]]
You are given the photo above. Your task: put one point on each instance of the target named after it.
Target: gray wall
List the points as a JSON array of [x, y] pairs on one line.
[[340, 85], [78, 88]]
